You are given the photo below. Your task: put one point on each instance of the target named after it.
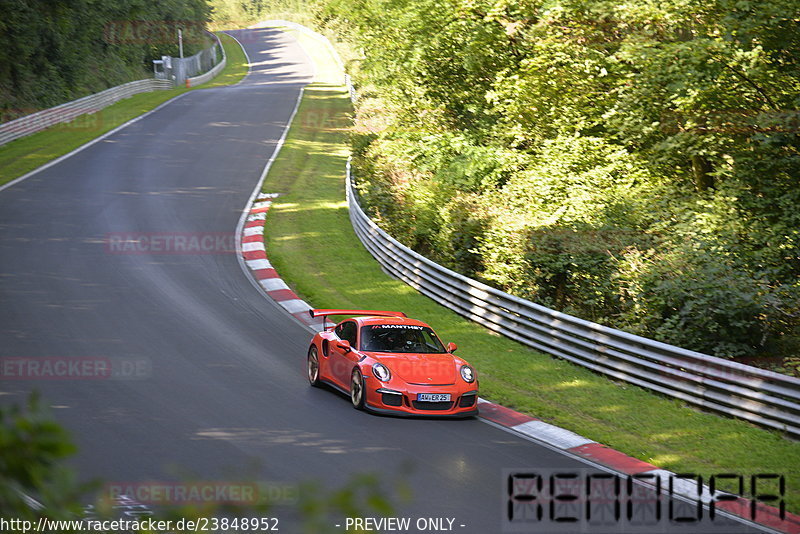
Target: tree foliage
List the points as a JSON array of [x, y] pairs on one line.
[[52, 51], [634, 163], [36, 482], [32, 451]]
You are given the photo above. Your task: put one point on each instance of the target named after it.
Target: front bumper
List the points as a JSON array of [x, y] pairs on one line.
[[463, 403], [433, 414]]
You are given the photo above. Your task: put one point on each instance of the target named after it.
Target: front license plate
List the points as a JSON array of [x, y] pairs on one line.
[[433, 397]]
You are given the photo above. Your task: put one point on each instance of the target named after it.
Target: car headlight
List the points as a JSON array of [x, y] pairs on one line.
[[381, 372], [467, 374]]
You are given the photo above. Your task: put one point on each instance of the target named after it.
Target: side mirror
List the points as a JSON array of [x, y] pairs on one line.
[[344, 345], [451, 347]]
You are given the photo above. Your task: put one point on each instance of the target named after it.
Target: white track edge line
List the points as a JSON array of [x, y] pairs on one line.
[[246, 212], [256, 191], [247, 57], [86, 145]]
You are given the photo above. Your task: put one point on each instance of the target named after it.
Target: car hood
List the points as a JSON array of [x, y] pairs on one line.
[[433, 369]]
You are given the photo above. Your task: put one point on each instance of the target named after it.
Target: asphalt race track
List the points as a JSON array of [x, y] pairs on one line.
[[217, 391]]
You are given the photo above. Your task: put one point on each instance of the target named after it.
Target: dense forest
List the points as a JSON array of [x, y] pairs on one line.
[[634, 163], [242, 13], [53, 51]]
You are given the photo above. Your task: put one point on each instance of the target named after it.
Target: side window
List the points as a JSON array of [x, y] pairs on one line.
[[347, 331]]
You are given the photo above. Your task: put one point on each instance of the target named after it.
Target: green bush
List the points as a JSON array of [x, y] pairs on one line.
[[633, 164], [53, 51], [688, 299]]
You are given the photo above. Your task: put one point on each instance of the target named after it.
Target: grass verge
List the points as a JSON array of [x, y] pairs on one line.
[[26, 154], [312, 245]]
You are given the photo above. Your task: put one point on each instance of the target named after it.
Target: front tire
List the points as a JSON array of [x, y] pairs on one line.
[[312, 366], [357, 390]]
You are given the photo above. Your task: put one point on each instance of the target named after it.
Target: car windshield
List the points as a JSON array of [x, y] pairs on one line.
[[400, 338]]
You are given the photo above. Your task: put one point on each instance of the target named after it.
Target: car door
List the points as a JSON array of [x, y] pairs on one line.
[[342, 362]]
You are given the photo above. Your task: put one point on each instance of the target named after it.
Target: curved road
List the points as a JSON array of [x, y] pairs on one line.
[[222, 394]]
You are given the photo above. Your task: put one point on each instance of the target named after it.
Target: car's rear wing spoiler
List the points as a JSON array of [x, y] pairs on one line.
[[377, 313]]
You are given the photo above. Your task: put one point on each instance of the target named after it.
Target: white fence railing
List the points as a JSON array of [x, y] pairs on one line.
[[762, 397], [69, 111], [35, 122], [212, 73]]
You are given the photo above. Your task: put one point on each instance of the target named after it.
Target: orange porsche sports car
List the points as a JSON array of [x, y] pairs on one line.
[[388, 363]]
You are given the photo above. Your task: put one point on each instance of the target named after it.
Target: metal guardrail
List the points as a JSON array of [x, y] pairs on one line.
[[69, 111], [211, 73], [185, 71], [762, 397]]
